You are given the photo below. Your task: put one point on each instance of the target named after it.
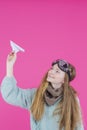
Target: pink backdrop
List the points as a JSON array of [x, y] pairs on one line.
[[47, 31]]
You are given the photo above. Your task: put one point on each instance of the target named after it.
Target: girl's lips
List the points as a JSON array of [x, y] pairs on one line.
[[50, 76]]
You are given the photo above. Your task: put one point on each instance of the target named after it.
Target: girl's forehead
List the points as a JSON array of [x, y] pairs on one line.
[[56, 67]]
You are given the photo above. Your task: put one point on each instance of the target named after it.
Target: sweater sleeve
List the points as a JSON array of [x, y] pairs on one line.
[[81, 125], [14, 95]]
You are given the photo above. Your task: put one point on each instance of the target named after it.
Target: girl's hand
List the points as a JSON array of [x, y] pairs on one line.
[[11, 59], [10, 62]]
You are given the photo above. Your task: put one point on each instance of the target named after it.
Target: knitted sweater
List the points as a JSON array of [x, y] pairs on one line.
[[17, 96]]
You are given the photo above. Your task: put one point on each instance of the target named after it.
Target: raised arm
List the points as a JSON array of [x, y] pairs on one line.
[[11, 93]]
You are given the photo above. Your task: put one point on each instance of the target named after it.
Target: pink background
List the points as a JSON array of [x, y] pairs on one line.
[[47, 30]]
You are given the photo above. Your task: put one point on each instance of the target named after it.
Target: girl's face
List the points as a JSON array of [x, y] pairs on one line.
[[56, 75]]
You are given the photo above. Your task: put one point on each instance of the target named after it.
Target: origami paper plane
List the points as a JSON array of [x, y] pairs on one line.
[[16, 48]]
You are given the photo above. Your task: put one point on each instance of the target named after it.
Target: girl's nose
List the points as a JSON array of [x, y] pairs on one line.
[[52, 72]]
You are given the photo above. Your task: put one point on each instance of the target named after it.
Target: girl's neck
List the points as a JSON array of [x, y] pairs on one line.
[[56, 86]]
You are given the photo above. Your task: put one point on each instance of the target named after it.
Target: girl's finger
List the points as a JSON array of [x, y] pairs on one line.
[[11, 53]]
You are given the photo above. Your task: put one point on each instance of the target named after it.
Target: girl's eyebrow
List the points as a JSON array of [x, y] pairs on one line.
[[56, 69]]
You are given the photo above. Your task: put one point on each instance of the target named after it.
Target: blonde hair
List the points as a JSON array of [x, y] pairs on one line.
[[68, 108]]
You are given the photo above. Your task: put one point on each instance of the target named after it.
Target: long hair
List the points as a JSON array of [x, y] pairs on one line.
[[68, 108], [37, 107]]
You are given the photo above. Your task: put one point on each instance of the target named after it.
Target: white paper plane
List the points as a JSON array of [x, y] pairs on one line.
[[16, 48]]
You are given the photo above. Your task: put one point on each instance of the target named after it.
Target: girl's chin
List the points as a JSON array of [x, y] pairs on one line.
[[49, 80]]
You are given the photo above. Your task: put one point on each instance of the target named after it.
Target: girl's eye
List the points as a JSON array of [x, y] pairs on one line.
[[57, 71]]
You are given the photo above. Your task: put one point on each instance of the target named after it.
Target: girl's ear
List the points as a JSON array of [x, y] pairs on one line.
[[63, 82]]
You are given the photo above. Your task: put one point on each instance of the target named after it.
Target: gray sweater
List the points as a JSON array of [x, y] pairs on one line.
[[14, 95]]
